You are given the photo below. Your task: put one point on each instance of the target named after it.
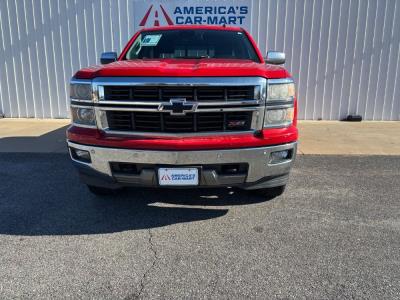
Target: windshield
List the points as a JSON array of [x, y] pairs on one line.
[[192, 44]]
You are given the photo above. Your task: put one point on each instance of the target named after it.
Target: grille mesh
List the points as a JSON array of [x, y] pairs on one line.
[[157, 93], [192, 122]]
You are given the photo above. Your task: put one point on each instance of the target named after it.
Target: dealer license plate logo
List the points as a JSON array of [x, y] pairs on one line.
[[178, 176]]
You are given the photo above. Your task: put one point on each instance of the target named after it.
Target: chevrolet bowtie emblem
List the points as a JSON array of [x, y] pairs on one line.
[[177, 106]]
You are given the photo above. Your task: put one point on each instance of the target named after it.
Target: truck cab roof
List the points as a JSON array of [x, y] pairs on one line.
[[193, 27], [177, 57]]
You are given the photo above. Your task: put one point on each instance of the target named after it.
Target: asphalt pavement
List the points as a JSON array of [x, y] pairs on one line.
[[334, 234]]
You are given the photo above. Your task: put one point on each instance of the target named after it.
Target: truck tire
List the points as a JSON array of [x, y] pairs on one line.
[[100, 191], [271, 192]]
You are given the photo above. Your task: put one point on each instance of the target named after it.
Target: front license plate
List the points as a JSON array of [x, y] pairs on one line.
[[178, 176]]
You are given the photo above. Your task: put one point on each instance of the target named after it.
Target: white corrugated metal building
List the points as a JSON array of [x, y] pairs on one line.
[[343, 54]]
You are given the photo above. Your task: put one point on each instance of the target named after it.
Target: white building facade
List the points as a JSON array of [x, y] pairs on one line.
[[343, 54]]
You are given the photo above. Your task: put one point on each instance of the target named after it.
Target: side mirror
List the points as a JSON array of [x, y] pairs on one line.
[[275, 58], [108, 57]]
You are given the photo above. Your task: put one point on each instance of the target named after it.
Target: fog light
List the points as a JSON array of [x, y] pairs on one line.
[[81, 155], [279, 156]]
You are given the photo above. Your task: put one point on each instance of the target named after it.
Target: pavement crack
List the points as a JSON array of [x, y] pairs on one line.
[[148, 271]]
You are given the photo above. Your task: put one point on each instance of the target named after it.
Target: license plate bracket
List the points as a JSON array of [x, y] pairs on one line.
[[184, 176]]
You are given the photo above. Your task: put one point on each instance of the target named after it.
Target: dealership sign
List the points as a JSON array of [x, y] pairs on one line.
[[186, 12]]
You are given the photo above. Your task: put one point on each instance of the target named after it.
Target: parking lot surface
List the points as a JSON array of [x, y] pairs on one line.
[[334, 233]]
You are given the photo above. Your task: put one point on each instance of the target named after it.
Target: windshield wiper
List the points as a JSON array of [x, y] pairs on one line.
[[194, 57]]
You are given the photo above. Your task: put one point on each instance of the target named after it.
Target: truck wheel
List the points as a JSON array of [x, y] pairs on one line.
[[271, 192], [100, 191]]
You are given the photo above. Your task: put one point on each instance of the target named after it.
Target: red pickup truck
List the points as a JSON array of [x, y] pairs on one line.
[[185, 106]]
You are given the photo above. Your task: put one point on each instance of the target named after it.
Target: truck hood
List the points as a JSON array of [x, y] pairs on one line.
[[183, 68]]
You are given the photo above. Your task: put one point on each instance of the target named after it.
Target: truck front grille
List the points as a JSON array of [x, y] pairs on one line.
[[160, 93], [151, 106], [191, 122]]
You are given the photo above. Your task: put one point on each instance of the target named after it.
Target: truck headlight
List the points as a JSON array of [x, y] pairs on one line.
[[83, 116], [282, 91], [278, 117], [280, 103], [79, 91]]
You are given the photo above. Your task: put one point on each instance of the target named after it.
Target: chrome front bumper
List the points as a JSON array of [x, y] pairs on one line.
[[260, 174]]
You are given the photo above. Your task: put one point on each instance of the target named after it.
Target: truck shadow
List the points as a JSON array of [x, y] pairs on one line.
[[41, 194], [50, 142]]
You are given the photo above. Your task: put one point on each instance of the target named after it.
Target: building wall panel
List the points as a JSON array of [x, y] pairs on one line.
[[343, 54]]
